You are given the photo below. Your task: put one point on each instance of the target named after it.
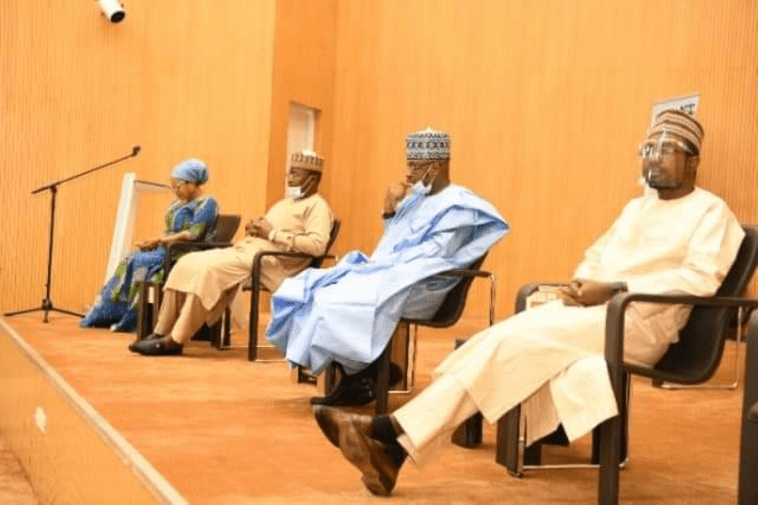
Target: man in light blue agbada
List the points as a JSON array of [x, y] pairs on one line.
[[348, 313]]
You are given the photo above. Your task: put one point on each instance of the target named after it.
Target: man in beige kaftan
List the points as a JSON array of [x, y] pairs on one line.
[[677, 238], [202, 284]]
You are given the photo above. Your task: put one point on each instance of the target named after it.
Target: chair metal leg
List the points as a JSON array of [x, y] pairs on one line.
[[610, 457], [512, 452], [147, 312], [509, 447], [747, 487], [735, 381], [144, 315], [611, 433], [252, 344], [383, 383], [410, 359], [225, 340]]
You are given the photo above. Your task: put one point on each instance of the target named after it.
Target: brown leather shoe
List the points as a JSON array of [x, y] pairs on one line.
[[352, 434], [329, 419]]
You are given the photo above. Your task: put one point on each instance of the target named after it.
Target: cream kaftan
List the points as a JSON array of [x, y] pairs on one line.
[[214, 276], [549, 358]]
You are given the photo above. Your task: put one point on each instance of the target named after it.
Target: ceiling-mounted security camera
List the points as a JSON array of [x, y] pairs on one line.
[[112, 10]]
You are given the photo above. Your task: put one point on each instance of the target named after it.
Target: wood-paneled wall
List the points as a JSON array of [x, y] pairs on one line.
[[546, 102], [178, 78], [304, 52]]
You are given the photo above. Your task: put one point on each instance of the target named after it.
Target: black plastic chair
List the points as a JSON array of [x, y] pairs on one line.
[[219, 235], [255, 287], [447, 315], [511, 450], [748, 476], [692, 360]]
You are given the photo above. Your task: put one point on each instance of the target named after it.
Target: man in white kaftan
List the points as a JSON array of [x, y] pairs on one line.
[[678, 239], [202, 284], [348, 313]]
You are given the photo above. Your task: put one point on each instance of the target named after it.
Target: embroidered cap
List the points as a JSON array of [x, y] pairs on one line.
[[427, 145], [308, 160], [679, 123]]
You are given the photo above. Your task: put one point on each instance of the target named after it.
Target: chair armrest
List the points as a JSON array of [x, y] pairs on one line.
[[258, 259], [614, 322], [195, 246], [482, 274], [528, 289], [179, 247], [464, 272]]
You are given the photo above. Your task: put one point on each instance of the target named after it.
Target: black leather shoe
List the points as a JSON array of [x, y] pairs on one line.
[[348, 392], [152, 336], [164, 346]]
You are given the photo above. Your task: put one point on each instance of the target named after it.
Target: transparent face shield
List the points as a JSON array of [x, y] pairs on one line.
[[657, 158], [661, 148]]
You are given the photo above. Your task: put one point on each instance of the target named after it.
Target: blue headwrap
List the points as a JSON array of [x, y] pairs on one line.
[[191, 170]]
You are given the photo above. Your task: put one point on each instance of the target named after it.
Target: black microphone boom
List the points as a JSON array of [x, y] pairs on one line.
[[47, 303], [135, 151]]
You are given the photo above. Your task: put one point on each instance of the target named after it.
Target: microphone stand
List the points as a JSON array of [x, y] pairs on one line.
[[47, 304]]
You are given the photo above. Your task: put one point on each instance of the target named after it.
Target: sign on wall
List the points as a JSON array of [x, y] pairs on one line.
[[688, 104]]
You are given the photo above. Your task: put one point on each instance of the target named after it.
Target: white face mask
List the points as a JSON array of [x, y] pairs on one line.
[[419, 188], [294, 192]]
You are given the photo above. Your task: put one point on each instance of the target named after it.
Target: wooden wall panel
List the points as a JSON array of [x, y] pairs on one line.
[[304, 52], [178, 78], [546, 102]]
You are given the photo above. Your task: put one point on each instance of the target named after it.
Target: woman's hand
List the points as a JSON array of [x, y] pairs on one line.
[[149, 244]]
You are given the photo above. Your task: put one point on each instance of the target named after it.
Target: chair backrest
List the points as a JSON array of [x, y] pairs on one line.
[[224, 228], [696, 356], [455, 301], [317, 261]]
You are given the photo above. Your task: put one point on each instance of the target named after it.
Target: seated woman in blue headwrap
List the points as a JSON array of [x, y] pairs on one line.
[[188, 218]]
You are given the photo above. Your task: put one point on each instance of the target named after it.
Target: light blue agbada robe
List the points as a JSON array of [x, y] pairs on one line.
[[348, 313]]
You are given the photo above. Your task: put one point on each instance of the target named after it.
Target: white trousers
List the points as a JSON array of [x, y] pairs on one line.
[[430, 418]]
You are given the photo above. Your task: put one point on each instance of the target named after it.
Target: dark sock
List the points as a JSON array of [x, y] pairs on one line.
[[383, 430], [397, 453]]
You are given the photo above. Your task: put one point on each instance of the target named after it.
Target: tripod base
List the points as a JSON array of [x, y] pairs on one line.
[[47, 306]]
